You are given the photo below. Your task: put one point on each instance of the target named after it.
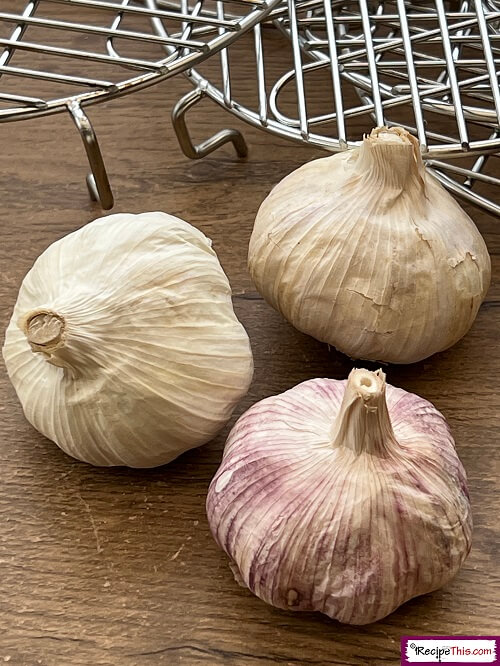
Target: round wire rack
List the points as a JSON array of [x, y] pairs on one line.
[[40, 75], [431, 67]]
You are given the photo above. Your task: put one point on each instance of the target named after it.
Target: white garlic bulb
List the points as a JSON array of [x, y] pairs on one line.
[[346, 498], [123, 346], [365, 250]]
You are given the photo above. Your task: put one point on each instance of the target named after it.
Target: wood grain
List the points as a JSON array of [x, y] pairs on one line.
[[117, 567]]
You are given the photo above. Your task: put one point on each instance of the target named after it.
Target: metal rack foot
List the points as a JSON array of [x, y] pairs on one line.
[[196, 152], [97, 181]]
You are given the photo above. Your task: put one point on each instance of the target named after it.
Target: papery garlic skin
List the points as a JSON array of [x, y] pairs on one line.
[[346, 498], [367, 251], [123, 346]]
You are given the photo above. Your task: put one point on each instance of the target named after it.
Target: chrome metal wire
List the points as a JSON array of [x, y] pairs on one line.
[[116, 39], [431, 67], [139, 61]]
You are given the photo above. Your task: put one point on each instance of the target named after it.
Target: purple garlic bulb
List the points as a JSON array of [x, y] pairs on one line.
[[344, 497]]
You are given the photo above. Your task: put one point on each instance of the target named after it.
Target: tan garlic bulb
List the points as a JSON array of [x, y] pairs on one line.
[[344, 497], [366, 250], [123, 347]]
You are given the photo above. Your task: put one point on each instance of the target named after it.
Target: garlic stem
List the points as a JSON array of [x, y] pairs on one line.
[[390, 158], [44, 330], [363, 423]]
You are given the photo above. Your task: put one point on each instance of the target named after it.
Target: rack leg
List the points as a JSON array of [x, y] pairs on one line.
[[209, 145], [97, 179]]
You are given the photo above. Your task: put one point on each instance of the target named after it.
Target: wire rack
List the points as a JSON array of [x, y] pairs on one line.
[[431, 67], [114, 51]]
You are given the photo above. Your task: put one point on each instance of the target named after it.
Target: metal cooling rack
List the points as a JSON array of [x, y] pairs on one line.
[[431, 67], [114, 51]]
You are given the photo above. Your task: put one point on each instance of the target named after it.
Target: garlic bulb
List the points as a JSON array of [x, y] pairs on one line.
[[123, 347], [367, 251], [341, 497]]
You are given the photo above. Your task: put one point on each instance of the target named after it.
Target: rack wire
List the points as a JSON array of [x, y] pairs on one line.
[[114, 51], [430, 67]]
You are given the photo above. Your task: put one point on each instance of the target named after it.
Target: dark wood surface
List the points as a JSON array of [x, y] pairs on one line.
[[117, 567]]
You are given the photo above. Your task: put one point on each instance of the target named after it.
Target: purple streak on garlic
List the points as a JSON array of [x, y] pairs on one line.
[[344, 497]]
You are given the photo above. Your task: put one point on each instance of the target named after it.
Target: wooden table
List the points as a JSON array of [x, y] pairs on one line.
[[117, 567]]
